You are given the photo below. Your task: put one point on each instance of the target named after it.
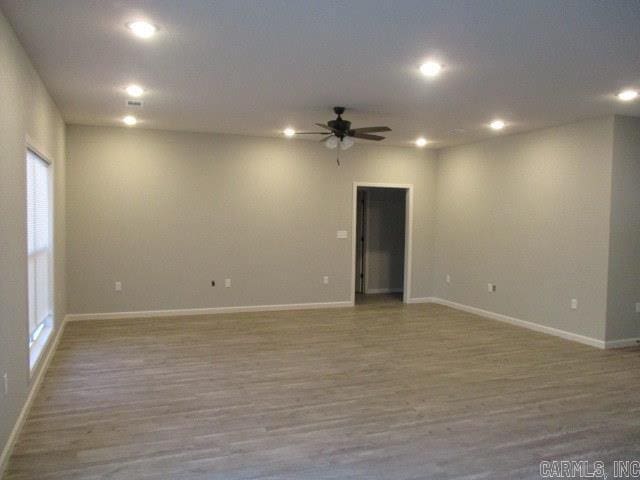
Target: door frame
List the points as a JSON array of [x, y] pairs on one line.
[[360, 240], [408, 234]]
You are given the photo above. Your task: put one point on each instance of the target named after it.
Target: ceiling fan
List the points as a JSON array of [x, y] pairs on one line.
[[339, 132]]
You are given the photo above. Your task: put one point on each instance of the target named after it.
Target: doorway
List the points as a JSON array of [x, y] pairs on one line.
[[382, 246]]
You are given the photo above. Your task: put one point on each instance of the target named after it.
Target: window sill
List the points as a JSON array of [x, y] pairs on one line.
[[39, 346]]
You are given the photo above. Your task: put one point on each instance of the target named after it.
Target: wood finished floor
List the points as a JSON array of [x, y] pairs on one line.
[[378, 298], [372, 392]]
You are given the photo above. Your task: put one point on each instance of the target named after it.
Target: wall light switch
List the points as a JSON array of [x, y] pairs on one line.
[[227, 282], [325, 280], [448, 279], [341, 234], [574, 304], [118, 286], [491, 287], [638, 307]]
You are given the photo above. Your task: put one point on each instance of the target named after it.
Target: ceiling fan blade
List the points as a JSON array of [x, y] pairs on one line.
[[323, 139], [371, 129], [366, 136], [324, 126], [311, 133]]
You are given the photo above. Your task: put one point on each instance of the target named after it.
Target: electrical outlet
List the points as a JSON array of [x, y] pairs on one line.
[[325, 280], [227, 282], [118, 286], [448, 279], [6, 383], [574, 304]]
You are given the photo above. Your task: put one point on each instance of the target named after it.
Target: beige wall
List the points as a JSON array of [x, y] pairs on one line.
[[166, 212], [26, 111], [384, 268], [624, 256], [529, 213]]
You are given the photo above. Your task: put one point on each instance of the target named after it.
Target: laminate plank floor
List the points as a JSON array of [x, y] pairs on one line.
[[378, 298], [386, 391]]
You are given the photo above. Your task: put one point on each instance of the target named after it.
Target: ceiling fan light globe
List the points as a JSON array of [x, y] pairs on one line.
[[346, 143], [331, 142]]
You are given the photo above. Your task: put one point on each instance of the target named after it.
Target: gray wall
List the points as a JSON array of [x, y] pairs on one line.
[[384, 269], [624, 256], [529, 213], [26, 111], [167, 212]]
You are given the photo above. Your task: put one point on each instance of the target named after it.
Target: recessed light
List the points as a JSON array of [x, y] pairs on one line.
[[627, 95], [430, 69], [497, 125], [135, 90], [421, 142], [142, 29], [130, 120], [289, 132]]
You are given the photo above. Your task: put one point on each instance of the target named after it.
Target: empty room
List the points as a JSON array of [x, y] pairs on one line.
[[285, 239]]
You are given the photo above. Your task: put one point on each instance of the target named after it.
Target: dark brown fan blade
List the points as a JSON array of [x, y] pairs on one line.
[[371, 129], [366, 136], [311, 133], [324, 126], [323, 139]]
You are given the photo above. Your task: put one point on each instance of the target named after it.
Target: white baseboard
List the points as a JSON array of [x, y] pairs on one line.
[[593, 342], [374, 291], [33, 391], [622, 343], [205, 311], [422, 300]]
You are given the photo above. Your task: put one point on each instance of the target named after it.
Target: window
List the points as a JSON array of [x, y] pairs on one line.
[[40, 253]]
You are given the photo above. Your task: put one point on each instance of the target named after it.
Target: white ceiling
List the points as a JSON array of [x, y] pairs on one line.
[[254, 67]]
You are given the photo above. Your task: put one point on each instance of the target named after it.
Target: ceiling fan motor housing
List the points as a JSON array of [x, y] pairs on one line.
[[339, 126], [341, 129]]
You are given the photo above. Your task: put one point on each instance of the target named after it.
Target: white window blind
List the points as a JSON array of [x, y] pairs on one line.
[[39, 238]]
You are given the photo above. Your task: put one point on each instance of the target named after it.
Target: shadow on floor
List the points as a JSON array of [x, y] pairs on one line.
[[378, 298]]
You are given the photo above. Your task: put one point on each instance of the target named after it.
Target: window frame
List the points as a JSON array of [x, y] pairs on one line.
[[39, 343]]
